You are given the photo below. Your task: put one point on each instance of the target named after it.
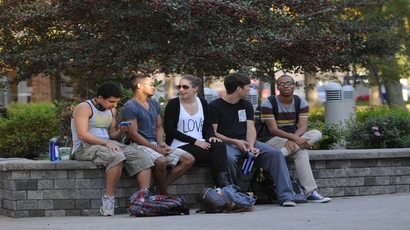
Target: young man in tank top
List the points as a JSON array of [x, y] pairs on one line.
[[95, 130]]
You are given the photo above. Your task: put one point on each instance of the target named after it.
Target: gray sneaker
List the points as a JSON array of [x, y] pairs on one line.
[[315, 197], [288, 203], [107, 208]]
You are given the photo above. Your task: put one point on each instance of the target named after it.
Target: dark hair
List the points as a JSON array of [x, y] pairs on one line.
[[135, 78], [196, 82], [285, 76], [109, 89], [233, 80]]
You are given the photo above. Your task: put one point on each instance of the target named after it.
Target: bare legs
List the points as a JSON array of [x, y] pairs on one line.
[[185, 162], [144, 178], [113, 176], [160, 172]]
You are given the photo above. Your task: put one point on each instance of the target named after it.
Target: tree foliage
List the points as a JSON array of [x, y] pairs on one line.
[[95, 40]]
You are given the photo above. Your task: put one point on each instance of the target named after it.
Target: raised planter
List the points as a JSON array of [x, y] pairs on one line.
[[71, 188]]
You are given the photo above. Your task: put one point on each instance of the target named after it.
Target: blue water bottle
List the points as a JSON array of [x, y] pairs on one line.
[[247, 164], [53, 149]]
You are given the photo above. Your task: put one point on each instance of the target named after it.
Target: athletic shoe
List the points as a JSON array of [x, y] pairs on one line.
[[288, 203], [107, 208], [315, 197]]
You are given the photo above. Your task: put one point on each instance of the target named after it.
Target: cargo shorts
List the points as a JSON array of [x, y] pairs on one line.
[[135, 159]]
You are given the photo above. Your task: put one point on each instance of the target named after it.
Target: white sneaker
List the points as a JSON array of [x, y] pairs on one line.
[[289, 203], [108, 204]]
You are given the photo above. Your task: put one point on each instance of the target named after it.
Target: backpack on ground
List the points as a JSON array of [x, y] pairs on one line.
[[143, 203], [226, 200], [260, 126], [263, 187]]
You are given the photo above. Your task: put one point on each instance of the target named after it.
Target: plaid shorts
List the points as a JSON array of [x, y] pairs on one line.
[[172, 159]]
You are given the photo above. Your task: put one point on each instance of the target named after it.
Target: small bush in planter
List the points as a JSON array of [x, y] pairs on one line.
[[382, 131], [332, 134], [27, 130]]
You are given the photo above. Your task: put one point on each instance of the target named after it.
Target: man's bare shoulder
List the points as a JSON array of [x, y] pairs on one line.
[[82, 109]]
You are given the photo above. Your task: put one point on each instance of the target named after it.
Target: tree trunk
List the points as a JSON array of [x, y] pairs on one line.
[[58, 87], [169, 86], [310, 89], [375, 95], [260, 89], [55, 83], [200, 75], [272, 81], [394, 93]]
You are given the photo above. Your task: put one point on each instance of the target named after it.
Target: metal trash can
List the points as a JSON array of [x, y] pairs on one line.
[[253, 98], [349, 102], [210, 94], [334, 105]]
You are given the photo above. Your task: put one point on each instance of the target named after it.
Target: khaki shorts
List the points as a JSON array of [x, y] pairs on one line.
[[171, 159], [135, 160]]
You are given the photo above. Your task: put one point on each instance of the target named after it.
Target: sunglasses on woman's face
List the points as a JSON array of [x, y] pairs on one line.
[[182, 86]]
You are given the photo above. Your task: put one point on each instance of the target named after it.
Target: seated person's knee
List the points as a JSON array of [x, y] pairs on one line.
[[160, 162], [117, 157], [188, 159]]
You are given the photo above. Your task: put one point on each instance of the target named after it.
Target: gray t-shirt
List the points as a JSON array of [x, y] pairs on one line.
[[146, 119]]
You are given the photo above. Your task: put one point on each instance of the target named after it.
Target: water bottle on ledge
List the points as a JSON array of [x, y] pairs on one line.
[[247, 164], [54, 150]]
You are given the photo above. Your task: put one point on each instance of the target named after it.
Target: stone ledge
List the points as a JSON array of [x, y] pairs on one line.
[[30, 188], [350, 154], [315, 155], [25, 164]]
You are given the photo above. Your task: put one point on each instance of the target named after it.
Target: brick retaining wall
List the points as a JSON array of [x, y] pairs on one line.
[[71, 188]]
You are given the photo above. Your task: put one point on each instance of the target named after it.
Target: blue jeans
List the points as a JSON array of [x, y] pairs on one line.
[[271, 160]]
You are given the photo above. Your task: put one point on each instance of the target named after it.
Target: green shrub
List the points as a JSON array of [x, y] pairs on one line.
[[373, 127], [27, 130], [316, 115], [381, 131], [332, 134], [381, 110], [3, 112]]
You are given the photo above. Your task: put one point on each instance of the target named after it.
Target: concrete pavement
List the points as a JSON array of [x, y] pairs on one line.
[[383, 212]]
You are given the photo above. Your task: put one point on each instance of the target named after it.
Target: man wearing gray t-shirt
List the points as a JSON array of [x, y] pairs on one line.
[[147, 133]]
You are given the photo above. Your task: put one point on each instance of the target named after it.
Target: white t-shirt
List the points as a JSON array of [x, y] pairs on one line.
[[190, 125]]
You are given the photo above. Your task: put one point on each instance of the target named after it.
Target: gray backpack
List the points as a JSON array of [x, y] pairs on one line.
[[228, 199]]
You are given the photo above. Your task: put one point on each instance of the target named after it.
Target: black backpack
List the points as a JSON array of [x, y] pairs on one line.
[[263, 188], [260, 126]]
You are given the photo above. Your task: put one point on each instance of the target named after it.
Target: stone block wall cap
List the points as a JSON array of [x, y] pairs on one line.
[[12, 159], [340, 154], [26, 164]]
